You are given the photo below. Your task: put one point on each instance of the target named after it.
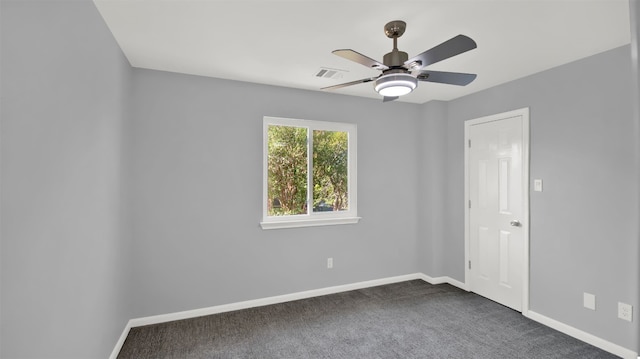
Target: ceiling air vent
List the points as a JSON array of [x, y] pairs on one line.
[[328, 73]]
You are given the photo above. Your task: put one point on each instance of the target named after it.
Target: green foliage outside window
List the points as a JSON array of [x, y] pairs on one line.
[[288, 170], [287, 177], [330, 164]]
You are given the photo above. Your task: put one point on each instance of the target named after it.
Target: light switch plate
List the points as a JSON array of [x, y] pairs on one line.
[[537, 185], [589, 301]]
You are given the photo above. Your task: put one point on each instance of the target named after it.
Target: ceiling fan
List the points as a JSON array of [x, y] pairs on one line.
[[400, 74]]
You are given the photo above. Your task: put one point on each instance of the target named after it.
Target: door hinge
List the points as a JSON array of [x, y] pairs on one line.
[[469, 264], [469, 143], [469, 203]]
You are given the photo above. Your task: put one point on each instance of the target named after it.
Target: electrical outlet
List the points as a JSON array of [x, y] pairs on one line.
[[329, 263], [589, 301], [625, 311]]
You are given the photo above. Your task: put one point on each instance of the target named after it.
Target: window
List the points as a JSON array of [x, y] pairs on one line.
[[309, 174]]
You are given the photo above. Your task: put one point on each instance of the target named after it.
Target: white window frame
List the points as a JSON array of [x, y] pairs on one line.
[[348, 216]]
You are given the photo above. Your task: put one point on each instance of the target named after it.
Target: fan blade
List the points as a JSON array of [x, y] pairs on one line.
[[445, 50], [389, 98], [359, 58], [349, 84], [451, 78]]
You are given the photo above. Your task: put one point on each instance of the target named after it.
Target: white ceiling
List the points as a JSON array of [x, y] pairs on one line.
[[285, 43]]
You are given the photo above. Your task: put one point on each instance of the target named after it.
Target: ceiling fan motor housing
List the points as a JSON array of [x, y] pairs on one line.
[[395, 58]]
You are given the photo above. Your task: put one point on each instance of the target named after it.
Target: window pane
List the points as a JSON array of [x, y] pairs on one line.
[[287, 177], [330, 171]]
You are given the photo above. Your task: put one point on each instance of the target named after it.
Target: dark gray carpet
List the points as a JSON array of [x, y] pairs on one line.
[[411, 319]]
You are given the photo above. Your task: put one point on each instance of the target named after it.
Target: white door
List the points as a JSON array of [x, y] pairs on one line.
[[497, 178]]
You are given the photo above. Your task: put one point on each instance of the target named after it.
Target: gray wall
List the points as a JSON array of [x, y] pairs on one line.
[[584, 226], [635, 71], [431, 187], [64, 249], [197, 194]]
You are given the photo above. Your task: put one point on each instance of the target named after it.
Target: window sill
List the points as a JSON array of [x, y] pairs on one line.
[[308, 222]]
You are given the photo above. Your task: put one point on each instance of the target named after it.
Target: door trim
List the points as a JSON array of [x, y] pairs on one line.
[[524, 112]]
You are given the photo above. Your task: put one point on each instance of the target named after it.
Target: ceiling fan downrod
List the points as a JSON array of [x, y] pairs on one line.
[[395, 58]]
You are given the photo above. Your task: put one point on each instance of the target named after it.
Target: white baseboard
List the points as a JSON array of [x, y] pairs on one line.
[[123, 337], [444, 279], [584, 336], [269, 300]]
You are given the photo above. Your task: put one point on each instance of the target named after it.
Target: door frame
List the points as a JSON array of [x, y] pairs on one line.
[[524, 112]]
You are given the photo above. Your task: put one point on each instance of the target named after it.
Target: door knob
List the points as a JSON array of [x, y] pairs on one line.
[[515, 223]]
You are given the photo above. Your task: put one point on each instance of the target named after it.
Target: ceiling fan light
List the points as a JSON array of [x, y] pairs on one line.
[[393, 85]]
